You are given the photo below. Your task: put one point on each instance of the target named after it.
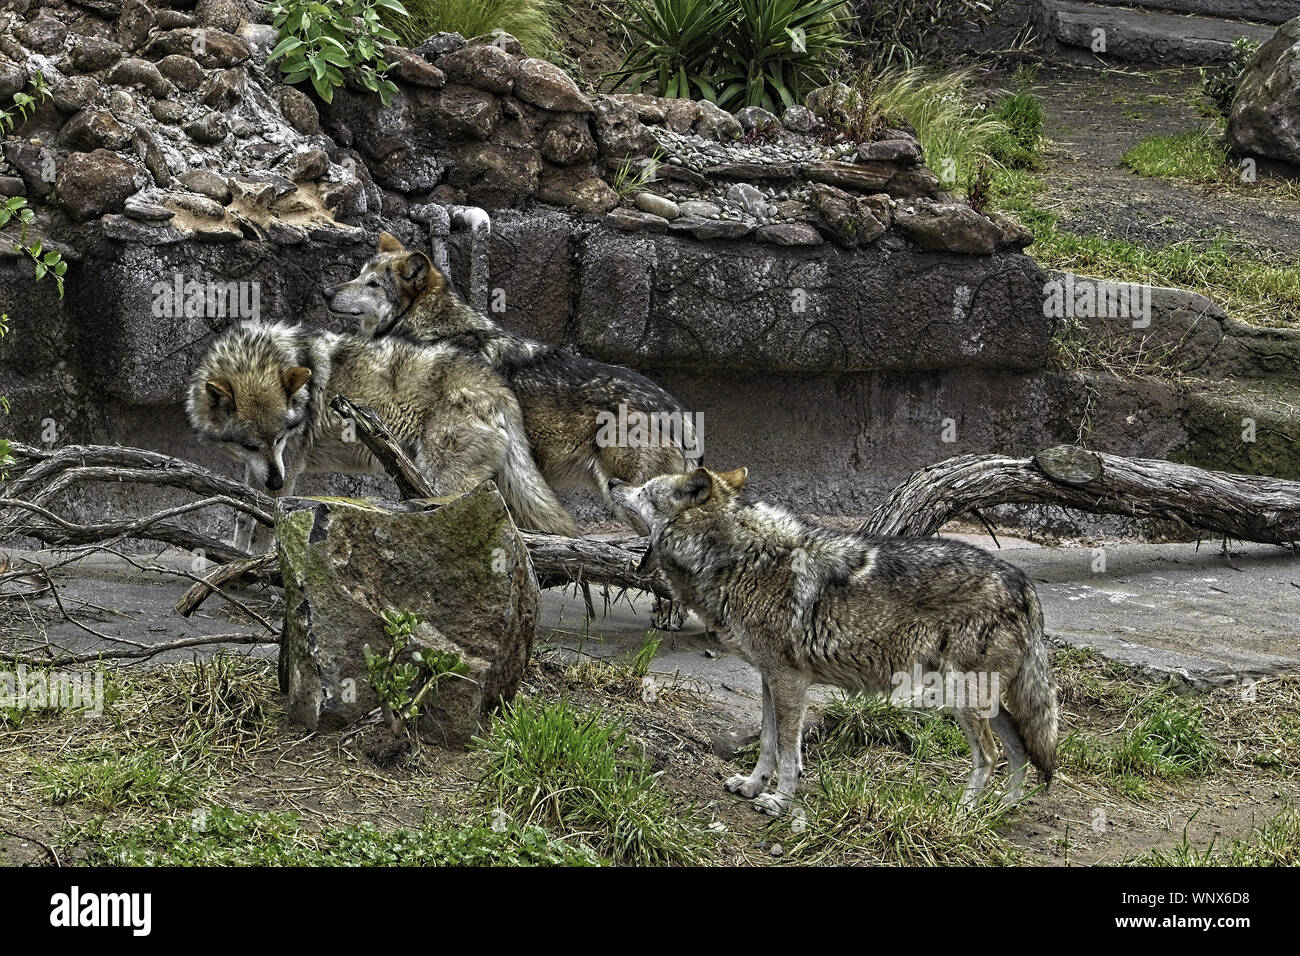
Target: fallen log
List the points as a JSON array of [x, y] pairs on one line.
[[1246, 507]]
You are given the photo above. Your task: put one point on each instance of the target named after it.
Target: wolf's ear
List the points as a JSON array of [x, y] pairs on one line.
[[389, 243], [416, 267], [219, 391], [736, 478], [697, 487], [294, 378]]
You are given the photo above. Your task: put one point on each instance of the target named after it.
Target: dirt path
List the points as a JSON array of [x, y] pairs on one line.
[[1094, 117]]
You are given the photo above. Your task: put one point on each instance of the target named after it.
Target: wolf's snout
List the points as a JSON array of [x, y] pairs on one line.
[[275, 482], [329, 292], [616, 483]]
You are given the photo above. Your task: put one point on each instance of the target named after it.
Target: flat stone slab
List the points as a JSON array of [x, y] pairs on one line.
[[1172, 610], [1148, 36]]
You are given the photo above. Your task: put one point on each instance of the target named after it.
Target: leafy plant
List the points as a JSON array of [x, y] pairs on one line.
[[398, 683], [633, 176], [531, 22], [1220, 86], [15, 208], [736, 53], [1019, 145], [321, 39]]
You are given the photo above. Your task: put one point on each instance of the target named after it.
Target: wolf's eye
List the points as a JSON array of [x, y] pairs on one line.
[[249, 447], [372, 284]]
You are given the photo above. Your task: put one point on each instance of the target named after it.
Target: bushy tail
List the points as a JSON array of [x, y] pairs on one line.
[[531, 501], [1032, 696]]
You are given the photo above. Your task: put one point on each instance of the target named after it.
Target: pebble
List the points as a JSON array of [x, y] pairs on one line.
[[776, 849]]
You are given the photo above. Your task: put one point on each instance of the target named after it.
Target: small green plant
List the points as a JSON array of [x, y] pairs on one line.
[[1220, 85], [1019, 146], [321, 40], [736, 53], [1198, 155], [1276, 843], [531, 22], [403, 685], [645, 655], [15, 209], [119, 781], [632, 176], [549, 764]]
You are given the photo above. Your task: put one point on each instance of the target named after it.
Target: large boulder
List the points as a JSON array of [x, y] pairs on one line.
[[1265, 116], [462, 567]]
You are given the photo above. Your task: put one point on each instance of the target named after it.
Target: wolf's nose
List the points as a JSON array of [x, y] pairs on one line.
[[274, 482], [615, 483], [329, 292]]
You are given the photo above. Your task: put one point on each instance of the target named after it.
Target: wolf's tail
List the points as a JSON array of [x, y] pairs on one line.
[[1032, 695], [532, 503]]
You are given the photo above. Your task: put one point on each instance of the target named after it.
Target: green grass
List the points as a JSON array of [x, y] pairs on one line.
[[1198, 156], [1164, 740], [1244, 284], [118, 782], [573, 772], [1020, 145], [224, 837], [853, 724], [531, 22], [872, 815], [1276, 843]]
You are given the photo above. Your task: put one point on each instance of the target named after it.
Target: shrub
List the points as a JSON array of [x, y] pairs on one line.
[[531, 22], [904, 32], [321, 39], [1220, 86], [737, 53]]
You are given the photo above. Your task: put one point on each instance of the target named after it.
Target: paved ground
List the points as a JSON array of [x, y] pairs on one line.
[[1173, 609]]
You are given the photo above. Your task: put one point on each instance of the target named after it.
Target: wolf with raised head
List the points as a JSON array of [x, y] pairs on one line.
[[568, 401], [261, 394], [807, 605]]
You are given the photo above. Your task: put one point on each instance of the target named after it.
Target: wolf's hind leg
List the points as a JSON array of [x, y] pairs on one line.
[[1017, 760], [756, 782], [789, 693], [976, 730]]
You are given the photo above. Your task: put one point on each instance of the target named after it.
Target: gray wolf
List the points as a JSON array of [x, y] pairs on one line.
[[261, 394], [568, 401], [809, 605]]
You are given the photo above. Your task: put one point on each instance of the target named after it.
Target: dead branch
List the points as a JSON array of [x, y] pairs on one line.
[[152, 650], [374, 434], [1245, 507]]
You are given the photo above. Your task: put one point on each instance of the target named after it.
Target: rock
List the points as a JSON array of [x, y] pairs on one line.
[[847, 219], [789, 234], [12, 186], [699, 209], [173, 20], [134, 24], [212, 48], [463, 568], [92, 53], [863, 177], [916, 183], [208, 129], [831, 102], [748, 171], [413, 69], [141, 73], [150, 151], [93, 129], [1011, 233], [546, 85], [629, 220], [753, 117], [105, 8], [721, 229], [167, 111], [657, 205], [799, 119], [748, 197], [42, 34], [439, 45], [482, 67], [299, 110], [948, 227], [91, 184], [200, 206], [206, 183], [36, 165], [906, 152], [13, 78], [572, 187], [465, 112], [1265, 115], [727, 744], [147, 211], [311, 165], [567, 140], [716, 123], [74, 93], [224, 89], [620, 134], [501, 40], [183, 71], [260, 37], [224, 15]]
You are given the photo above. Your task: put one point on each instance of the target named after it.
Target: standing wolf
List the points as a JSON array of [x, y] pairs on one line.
[[262, 394], [566, 399], [808, 605]]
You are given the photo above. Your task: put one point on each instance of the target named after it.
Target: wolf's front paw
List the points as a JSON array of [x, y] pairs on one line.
[[773, 804], [745, 786], [667, 616]]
